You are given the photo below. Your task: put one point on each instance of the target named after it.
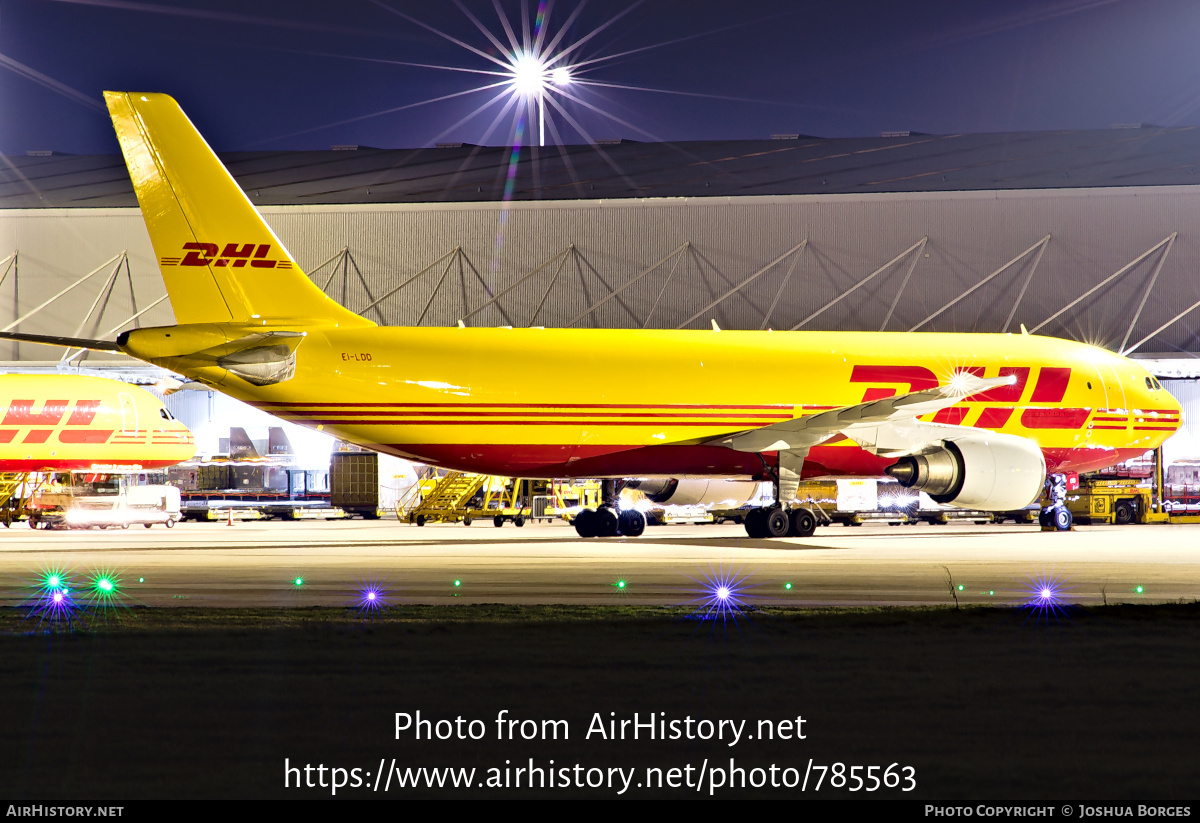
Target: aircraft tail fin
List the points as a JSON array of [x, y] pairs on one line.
[[219, 259], [277, 441], [240, 444]]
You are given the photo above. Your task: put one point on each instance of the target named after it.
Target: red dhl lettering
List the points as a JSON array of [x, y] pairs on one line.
[[952, 416], [83, 413], [917, 378], [1051, 384], [235, 255], [21, 413], [992, 418]]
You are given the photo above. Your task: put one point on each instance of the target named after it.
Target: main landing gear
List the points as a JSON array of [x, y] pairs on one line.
[[776, 520], [1056, 516], [607, 520]]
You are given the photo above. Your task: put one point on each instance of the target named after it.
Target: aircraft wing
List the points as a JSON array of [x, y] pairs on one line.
[[882, 426]]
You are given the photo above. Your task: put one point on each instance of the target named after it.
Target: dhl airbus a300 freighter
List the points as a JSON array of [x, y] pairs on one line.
[[52, 422], [975, 420]]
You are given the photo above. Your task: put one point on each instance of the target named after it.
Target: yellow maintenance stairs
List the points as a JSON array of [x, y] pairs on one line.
[[15, 491], [440, 498], [452, 497]]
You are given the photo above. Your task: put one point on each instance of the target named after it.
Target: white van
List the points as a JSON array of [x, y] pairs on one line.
[[83, 500]]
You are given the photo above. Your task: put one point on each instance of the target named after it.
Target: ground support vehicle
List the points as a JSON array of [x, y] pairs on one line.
[[1120, 502], [81, 500]]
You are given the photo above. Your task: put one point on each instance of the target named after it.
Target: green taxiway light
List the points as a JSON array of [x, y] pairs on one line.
[[961, 587], [1138, 590], [299, 581], [141, 580], [620, 584], [457, 583], [787, 586], [104, 584]]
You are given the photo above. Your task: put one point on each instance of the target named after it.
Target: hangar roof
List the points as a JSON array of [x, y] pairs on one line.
[[904, 162]]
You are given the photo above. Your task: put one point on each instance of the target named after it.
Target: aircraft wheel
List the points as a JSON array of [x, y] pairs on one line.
[[803, 523], [170, 524], [777, 523], [1044, 518], [124, 525], [631, 522], [420, 520], [1124, 513], [498, 521], [33, 522], [607, 524], [756, 523], [467, 520], [1062, 518], [585, 523], [147, 525], [519, 520]]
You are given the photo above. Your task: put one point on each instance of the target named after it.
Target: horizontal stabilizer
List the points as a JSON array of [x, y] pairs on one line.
[[67, 342]]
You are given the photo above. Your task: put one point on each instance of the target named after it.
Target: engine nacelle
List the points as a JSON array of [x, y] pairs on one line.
[[992, 472], [701, 491]]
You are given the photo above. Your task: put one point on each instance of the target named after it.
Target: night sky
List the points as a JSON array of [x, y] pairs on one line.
[[307, 75]]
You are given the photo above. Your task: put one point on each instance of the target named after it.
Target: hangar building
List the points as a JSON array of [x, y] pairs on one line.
[[1091, 235]]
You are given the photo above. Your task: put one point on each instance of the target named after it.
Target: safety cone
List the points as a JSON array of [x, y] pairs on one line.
[[230, 521]]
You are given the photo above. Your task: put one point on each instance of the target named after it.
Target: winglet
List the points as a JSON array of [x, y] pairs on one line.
[[715, 326]]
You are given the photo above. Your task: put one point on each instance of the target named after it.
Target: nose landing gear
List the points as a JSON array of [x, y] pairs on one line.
[[1056, 516]]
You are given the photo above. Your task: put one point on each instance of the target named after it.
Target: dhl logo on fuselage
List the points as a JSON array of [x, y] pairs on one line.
[[21, 413], [1050, 387], [234, 255]]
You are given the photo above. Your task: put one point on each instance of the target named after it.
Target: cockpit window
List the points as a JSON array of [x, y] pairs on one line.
[[164, 414]]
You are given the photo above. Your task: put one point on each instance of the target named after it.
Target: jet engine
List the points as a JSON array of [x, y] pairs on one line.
[[690, 492], [989, 472]]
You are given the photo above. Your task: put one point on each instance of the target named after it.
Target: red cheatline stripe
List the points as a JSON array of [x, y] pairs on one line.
[[465, 405], [1109, 418], [1155, 428], [1114, 428], [525, 414], [649, 423]]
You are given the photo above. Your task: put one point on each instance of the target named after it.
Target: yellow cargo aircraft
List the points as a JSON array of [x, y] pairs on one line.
[[975, 420], [51, 422]]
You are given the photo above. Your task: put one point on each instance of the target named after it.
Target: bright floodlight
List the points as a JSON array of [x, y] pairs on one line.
[[529, 75], [723, 593], [561, 76]]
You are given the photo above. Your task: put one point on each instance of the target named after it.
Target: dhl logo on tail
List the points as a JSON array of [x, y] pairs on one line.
[[236, 255]]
